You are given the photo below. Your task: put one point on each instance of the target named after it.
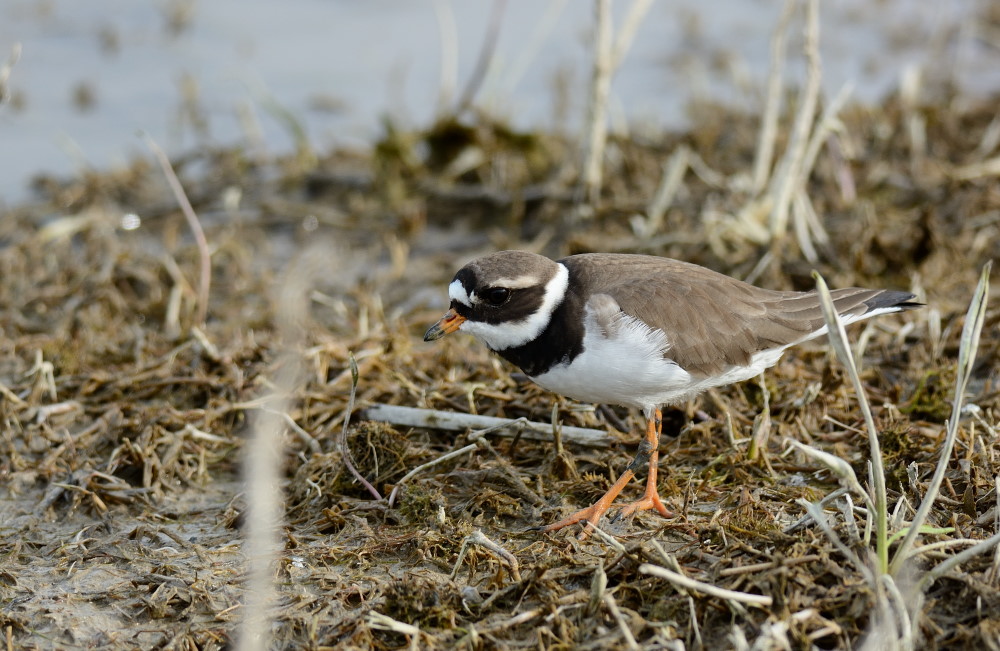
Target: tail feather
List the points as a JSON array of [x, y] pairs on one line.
[[890, 298]]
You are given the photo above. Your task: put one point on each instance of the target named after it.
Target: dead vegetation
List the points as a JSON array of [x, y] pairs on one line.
[[124, 419]]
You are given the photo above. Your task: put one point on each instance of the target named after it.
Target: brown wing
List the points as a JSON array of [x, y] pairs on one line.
[[711, 320]]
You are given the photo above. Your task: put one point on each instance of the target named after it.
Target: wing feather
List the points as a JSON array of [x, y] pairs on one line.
[[711, 321]]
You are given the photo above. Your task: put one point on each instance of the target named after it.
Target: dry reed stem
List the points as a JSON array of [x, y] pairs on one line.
[[791, 174], [204, 254], [597, 105], [768, 133], [609, 52], [673, 176], [487, 53], [532, 45], [448, 33]]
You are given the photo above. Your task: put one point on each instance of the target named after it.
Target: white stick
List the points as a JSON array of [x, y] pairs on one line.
[[705, 588], [452, 421]]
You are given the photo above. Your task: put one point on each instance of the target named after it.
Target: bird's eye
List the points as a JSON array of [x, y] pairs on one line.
[[497, 296]]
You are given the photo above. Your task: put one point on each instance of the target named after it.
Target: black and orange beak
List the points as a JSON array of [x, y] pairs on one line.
[[448, 323]]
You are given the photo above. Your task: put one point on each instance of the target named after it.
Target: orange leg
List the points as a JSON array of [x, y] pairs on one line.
[[647, 450], [592, 514], [651, 498]]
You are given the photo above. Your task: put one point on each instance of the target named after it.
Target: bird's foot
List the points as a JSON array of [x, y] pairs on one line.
[[650, 500], [593, 513]]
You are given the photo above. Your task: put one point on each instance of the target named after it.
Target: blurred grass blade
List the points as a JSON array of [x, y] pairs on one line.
[[971, 332]]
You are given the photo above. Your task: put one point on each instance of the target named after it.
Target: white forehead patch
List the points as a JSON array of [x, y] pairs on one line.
[[456, 292], [511, 334]]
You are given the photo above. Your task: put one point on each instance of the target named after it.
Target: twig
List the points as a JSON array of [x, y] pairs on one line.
[[827, 123], [204, 254], [528, 615], [45, 378], [609, 539], [616, 614], [453, 421], [345, 452], [989, 167], [943, 567], [623, 39], [598, 587], [609, 51], [425, 466], [477, 537], [966, 359], [820, 519], [769, 565], [201, 435], [478, 439], [804, 520], [382, 622], [705, 588]]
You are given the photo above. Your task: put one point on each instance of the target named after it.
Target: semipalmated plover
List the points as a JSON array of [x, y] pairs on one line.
[[636, 330]]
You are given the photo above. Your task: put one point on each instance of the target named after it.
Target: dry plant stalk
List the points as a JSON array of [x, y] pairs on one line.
[[772, 107], [477, 537], [792, 174], [609, 52], [487, 53], [597, 106], [448, 34], [204, 254], [345, 452]]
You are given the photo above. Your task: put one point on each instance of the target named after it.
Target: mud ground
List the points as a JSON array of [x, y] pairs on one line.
[[124, 419]]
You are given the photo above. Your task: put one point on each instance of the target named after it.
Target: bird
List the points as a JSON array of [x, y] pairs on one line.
[[638, 331]]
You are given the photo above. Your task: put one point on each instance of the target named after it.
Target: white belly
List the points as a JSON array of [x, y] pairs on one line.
[[631, 366]]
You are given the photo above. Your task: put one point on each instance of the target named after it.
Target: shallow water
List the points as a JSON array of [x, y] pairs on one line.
[[92, 75]]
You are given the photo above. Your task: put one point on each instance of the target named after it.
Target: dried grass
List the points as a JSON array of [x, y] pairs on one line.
[[122, 438]]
